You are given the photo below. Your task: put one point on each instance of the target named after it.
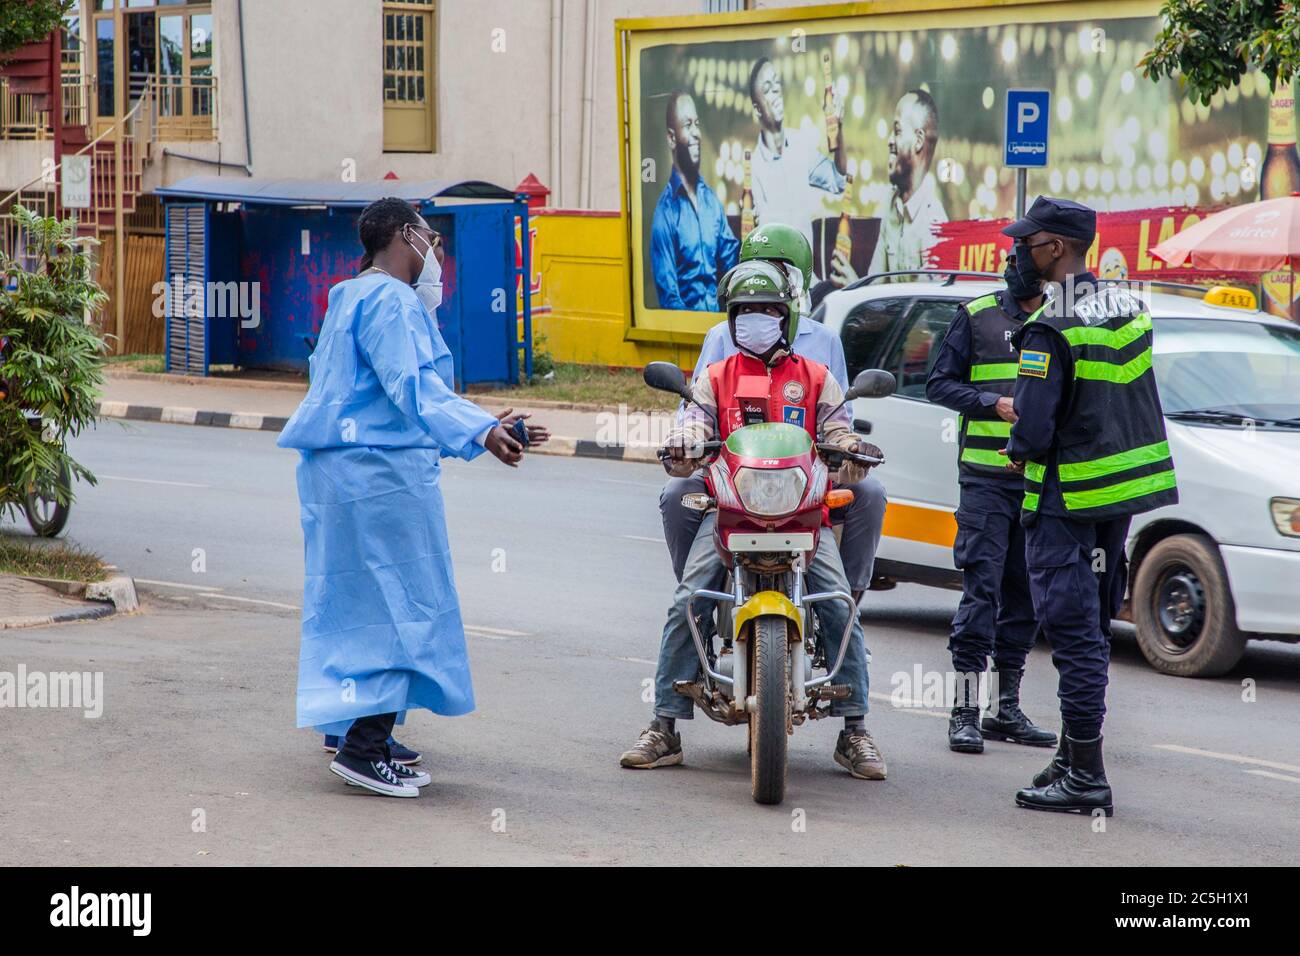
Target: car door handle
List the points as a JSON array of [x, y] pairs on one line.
[[862, 426]]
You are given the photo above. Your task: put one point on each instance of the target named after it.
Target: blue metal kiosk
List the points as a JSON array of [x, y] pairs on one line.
[[250, 262]]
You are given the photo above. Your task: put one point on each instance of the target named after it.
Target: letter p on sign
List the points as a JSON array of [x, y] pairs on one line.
[[1026, 114]]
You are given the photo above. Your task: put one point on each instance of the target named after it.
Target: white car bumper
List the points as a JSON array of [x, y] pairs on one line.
[[1266, 588]]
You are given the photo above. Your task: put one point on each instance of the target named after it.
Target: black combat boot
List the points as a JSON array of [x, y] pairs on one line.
[[964, 731], [1056, 769], [1010, 722], [964, 725], [1083, 789]]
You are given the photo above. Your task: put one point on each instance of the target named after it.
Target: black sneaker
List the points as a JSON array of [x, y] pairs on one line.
[[409, 775], [376, 776]]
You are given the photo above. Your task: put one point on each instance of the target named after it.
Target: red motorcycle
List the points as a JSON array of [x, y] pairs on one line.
[[770, 484]]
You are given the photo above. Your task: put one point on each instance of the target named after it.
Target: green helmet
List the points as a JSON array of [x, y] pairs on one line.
[[777, 242], [761, 283]]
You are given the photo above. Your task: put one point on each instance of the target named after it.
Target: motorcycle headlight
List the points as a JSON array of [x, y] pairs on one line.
[[776, 492], [1286, 515]]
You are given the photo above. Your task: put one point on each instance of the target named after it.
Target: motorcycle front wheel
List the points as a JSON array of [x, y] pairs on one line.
[[44, 512], [768, 736]]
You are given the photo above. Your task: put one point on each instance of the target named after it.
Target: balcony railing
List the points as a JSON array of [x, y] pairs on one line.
[[187, 107], [19, 118]]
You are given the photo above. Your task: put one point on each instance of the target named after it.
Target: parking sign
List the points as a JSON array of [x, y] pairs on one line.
[[1025, 137]]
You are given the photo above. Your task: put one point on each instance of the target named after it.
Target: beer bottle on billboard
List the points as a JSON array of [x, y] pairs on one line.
[[828, 103], [746, 204], [1280, 176], [844, 238]]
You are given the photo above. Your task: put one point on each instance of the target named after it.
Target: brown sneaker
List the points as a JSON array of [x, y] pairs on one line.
[[654, 748], [856, 752]]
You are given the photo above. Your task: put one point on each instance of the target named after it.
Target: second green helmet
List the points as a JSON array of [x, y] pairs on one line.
[[777, 242]]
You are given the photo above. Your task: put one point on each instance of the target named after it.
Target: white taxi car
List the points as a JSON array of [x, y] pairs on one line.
[[1220, 567]]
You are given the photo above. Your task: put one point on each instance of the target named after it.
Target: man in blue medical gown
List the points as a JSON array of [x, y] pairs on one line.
[[381, 628]]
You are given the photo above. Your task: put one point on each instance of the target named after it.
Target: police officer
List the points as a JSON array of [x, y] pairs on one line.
[[864, 518], [1090, 435], [974, 376]]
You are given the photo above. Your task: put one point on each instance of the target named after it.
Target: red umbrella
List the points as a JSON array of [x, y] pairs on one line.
[[1253, 237]]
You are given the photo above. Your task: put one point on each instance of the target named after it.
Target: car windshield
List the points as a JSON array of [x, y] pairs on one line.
[[1228, 368]]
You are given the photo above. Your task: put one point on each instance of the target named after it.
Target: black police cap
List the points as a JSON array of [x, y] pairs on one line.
[[1061, 216]]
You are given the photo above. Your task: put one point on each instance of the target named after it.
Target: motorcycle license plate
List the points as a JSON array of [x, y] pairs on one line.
[[771, 541]]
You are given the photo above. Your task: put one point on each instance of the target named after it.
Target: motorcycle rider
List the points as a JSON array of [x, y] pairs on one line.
[[763, 322], [864, 518]]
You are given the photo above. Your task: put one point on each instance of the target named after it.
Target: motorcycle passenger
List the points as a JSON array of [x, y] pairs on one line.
[[863, 519], [759, 298]]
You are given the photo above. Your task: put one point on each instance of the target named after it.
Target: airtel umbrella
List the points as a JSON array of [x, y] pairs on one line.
[[1253, 237]]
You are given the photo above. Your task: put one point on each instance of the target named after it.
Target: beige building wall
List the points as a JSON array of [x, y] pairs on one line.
[[314, 82]]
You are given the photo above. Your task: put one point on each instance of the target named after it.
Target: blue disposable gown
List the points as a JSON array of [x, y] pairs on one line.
[[381, 626]]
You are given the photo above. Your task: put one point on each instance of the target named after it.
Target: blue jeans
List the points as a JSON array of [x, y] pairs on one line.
[[678, 659]]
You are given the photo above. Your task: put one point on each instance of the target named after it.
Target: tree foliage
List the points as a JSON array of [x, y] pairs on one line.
[[51, 361], [26, 21], [1207, 45]]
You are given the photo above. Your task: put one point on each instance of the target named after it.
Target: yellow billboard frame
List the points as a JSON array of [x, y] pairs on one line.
[[901, 14]]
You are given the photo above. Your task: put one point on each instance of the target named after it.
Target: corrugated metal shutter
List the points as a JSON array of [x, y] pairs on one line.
[[187, 282]]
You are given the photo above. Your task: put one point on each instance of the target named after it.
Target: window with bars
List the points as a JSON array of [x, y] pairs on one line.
[[409, 94]]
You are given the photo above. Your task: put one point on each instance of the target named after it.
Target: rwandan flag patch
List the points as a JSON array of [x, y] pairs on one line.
[[1034, 364]]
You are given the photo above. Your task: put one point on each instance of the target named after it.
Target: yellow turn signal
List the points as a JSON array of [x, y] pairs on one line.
[[839, 497]]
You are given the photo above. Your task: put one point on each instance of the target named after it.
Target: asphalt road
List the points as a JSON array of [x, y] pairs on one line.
[[198, 718]]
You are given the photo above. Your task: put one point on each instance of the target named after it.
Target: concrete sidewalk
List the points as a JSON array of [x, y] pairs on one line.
[[25, 603], [584, 432]]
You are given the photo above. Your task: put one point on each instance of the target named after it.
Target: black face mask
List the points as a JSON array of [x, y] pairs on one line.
[[1024, 279]]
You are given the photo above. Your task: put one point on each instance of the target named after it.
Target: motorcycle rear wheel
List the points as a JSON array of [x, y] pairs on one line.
[[45, 513], [768, 722]]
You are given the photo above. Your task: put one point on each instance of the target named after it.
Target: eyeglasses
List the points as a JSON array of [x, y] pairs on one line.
[[1027, 246]]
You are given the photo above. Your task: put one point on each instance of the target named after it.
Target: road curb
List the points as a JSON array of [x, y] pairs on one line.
[[117, 590], [184, 415], [255, 421]]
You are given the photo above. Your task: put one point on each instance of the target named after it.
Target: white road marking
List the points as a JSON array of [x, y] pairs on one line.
[[154, 481], [623, 481], [500, 633], [1273, 776], [177, 584], [915, 708], [638, 537], [244, 600], [635, 660], [1234, 758]]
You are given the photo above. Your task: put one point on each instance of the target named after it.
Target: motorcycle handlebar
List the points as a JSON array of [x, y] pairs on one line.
[[700, 450], [834, 453]]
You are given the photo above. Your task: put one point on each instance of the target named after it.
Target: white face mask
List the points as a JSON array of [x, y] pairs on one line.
[[757, 332], [428, 285]]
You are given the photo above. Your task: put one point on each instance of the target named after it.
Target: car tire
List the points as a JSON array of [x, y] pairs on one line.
[[1183, 609]]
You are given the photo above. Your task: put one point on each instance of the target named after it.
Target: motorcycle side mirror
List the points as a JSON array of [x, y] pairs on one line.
[[666, 377], [872, 383]]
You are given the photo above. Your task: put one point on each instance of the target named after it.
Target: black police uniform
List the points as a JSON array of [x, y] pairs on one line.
[[976, 366], [1091, 434]]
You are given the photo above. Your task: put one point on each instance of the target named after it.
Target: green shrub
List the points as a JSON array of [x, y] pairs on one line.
[[52, 362]]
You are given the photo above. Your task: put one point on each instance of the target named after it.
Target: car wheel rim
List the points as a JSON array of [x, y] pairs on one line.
[[1180, 609]]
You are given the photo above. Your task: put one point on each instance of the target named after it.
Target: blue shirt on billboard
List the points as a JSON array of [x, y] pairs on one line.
[[691, 246]]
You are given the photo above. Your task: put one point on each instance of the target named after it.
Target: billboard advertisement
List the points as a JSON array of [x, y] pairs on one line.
[[881, 136]]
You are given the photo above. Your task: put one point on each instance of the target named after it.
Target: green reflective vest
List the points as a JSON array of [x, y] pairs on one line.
[[1110, 456], [992, 369]]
